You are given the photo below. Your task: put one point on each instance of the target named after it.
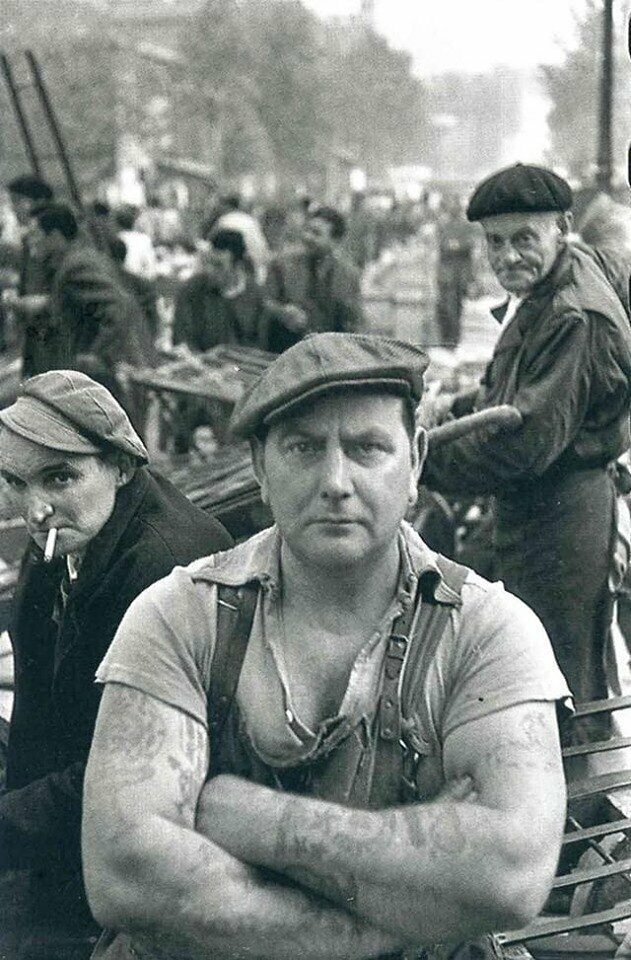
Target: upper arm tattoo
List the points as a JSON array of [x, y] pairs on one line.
[[137, 736], [134, 736], [190, 764], [530, 748]]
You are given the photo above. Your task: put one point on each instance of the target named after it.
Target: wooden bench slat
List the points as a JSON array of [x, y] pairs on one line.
[[601, 783], [578, 877], [602, 706], [600, 830], [598, 746], [548, 926], [582, 946]]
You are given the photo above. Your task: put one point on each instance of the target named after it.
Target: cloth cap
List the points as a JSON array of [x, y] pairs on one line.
[[522, 188], [325, 361], [67, 410]]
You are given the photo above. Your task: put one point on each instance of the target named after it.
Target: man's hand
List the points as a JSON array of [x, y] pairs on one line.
[[294, 318], [28, 306]]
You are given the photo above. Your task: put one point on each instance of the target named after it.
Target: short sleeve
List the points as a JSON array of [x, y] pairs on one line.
[[164, 644], [500, 656]]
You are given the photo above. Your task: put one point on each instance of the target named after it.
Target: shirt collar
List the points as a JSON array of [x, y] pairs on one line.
[[258, 559]]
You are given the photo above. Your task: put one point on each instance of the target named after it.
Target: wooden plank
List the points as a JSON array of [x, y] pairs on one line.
[[545, 927], [602, 706], [577, 877], [572, 947], [600, 830], [599, 746], [602, 783]]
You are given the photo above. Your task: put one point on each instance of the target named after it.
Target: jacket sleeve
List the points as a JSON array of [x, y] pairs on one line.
[[41, 822], [552, 397]]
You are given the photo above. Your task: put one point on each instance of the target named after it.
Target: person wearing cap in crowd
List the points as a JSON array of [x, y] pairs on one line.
[[73, 463], [336, 819], [313, 287], [563, 359]]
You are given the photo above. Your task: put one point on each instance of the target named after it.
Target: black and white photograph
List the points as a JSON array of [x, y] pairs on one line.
[[315, 480]]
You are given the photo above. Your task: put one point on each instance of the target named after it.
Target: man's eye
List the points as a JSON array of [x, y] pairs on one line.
[[369, 448], [301, 446], [59, 479], [14, 482]]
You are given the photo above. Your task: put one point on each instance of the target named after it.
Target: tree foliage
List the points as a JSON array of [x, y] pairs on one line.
[[574, 91], [315, 90], [284, 90]]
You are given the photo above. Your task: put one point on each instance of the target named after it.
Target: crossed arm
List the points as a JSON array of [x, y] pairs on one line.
[[267, 874]]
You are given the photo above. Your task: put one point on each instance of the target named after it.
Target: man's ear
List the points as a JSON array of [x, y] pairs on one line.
[[566, 223], [257, 449], [126, 468], [419, 453]]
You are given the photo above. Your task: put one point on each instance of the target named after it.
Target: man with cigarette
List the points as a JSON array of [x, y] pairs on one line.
[[380, 721], [102, 527], [563, 359]]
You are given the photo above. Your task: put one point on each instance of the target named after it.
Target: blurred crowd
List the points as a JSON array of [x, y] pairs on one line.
[[106, 288]]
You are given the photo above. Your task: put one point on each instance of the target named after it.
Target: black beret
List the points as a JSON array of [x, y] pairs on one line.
[[31, 187], [67, 410], [325, 361], [522, 188]]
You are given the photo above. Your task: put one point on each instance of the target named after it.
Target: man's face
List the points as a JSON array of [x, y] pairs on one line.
[[522, 247], [73, 492], [339, 478], [22, 207], [317, 235], [44, 245], [219, 265]]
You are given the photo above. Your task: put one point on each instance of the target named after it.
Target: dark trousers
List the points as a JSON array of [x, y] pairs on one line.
[[554, 546]]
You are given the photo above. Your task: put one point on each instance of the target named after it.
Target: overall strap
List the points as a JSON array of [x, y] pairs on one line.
[[407, 657], [235, 615], [432, 623]]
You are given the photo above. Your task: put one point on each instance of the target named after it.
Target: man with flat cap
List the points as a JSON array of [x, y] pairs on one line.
[[102, 527], [336, 741], [563, 359]]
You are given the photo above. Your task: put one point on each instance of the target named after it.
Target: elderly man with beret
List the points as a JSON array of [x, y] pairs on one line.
[[563, 359], [327, 742], [75, 465]]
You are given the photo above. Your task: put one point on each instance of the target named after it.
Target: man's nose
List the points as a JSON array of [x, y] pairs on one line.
[[38, 509], [336, 480], [510, 255]]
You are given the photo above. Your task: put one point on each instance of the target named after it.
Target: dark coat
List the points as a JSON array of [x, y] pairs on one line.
[[90, 312], [564, 360], [204, 318], [152, 529], [327, 289]]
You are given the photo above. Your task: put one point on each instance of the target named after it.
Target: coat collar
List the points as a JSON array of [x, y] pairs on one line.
[[100, 551]]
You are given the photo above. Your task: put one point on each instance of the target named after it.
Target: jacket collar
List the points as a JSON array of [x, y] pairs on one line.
[[100, 551], [258, 560]]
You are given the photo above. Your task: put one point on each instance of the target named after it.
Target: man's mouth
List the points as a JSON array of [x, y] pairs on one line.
[[337, 520]]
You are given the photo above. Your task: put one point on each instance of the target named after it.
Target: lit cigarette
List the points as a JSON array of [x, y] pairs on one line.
[[51, 543]]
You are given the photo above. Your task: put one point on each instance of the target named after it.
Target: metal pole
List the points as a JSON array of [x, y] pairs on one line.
[[54, 129], [604, 175], [20, 115]]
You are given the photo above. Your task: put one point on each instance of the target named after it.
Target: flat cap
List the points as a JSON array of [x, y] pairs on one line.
[[325, 361], [522, 188], [67, 410]]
